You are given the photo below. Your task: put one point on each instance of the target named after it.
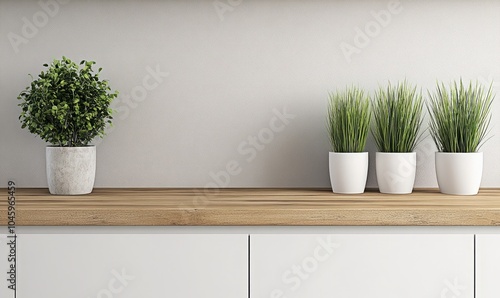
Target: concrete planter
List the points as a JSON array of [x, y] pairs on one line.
[[71, 170]]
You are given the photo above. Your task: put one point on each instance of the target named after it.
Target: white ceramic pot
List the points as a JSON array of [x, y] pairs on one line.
[[348, 172], [459, 173], [71, 170], [396, 172]]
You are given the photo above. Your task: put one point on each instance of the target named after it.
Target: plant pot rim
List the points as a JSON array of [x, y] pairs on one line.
[[340, 153], [413, 152], [458, 153], [54, 146]]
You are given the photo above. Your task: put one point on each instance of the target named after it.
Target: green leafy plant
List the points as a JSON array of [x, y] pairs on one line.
[[460, 116], [397, 113], [348, 120], [68, 105]]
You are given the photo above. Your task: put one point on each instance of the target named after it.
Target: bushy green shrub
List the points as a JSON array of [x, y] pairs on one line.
[[68, 105]]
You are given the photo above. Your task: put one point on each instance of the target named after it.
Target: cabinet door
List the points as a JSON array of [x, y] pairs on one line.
[[132, 266], [354, 266], [487, 266]]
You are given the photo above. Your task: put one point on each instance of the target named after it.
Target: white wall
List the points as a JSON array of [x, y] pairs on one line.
[[229, 71]]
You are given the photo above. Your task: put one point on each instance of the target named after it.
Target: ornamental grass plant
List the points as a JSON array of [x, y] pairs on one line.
[[397, 113], [460, 116], [348, 119]]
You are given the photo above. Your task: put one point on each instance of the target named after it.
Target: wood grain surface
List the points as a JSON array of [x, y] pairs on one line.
[[252, 207]]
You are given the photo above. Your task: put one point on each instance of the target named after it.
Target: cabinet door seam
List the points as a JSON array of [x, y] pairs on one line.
[[475, 266], [248, 265]]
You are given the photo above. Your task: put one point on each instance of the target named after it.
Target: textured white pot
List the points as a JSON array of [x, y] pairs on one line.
[[396, 172], [71, 170], [348, 172], [459, 173]]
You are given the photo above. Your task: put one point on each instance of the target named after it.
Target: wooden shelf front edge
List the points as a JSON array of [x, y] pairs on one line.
[[252, 207]]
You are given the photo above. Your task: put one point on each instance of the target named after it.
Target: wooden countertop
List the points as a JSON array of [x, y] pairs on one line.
[[252, 207]]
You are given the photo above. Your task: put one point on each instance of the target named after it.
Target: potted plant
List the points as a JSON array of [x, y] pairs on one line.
[[459, 121], [68, 105], [397, 113], [348, 125]]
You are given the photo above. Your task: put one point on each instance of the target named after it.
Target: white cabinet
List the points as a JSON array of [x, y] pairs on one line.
[[132, 266], [354, 266], [281, 265], [487, 266]]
